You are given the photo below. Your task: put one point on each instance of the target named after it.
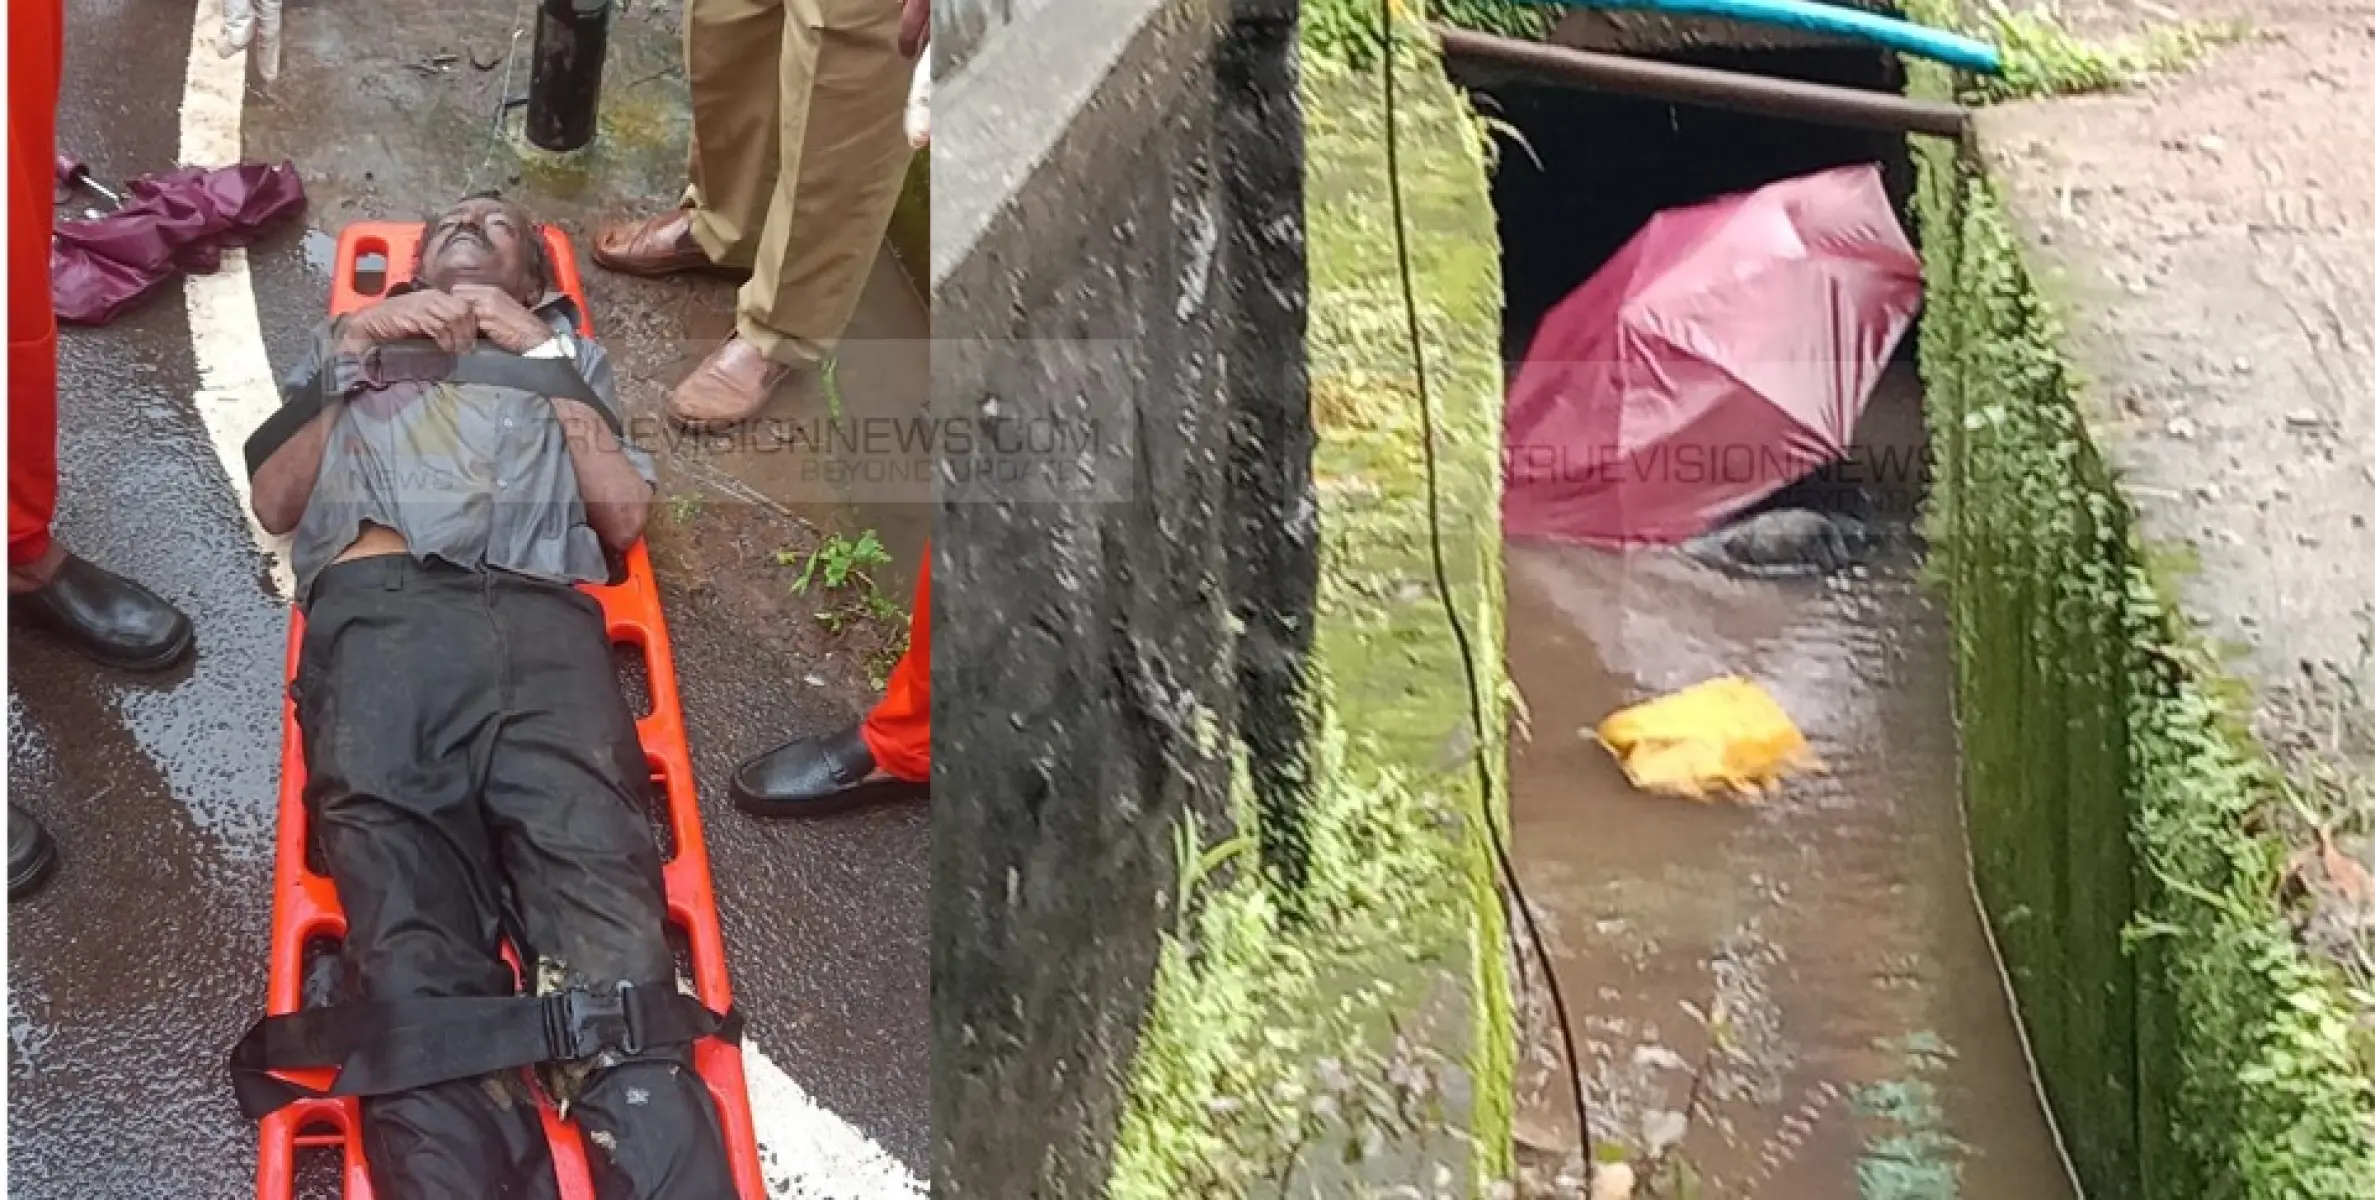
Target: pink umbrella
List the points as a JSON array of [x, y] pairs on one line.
[[1724, 353]]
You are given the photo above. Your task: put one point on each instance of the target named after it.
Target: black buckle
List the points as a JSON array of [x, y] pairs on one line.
[[579, 1024]]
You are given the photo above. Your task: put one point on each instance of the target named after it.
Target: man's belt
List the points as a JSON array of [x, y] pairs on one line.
[[383, 1047], [426, 362]]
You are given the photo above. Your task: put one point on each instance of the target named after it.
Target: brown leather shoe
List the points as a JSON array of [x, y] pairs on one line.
[[728, 388], [654, 246]]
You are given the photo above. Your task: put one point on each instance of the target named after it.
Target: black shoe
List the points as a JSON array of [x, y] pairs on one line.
[[814, 776], [108, 617], [32, 855]]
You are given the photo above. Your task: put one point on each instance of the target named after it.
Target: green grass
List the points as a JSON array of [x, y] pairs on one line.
[[1350, 33]]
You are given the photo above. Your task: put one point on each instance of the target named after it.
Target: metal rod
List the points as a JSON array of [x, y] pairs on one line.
[[1673, 82], [565, 82]]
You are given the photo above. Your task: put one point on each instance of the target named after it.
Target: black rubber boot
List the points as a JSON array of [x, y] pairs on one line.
[[107, 617], [815, 776], [32, 854]]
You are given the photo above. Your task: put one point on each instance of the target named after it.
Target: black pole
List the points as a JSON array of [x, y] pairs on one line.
[[565, 85]]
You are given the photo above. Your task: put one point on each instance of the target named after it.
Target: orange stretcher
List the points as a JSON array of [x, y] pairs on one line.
[[305, 905]]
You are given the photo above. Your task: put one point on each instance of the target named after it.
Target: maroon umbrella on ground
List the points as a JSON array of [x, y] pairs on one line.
[[179, 221]]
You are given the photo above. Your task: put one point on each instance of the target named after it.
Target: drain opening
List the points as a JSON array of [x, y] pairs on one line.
[[1608, 163]]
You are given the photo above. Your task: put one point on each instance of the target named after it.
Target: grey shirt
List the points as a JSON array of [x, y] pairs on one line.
[[475, 475]]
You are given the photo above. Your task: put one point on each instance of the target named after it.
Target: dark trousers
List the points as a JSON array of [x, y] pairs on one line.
[[472, 773]]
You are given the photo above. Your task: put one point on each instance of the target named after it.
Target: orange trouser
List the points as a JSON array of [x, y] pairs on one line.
[[36, 49], [899, 730]]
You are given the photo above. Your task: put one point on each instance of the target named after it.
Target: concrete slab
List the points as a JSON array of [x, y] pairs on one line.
[[2209, 236]]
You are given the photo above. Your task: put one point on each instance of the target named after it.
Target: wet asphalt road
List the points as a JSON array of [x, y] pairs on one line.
[[134, 971]]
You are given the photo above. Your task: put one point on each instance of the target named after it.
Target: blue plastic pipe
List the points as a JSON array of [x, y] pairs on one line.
[[1811, 16]]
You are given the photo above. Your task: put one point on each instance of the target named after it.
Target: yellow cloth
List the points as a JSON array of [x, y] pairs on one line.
[[1724, 734]]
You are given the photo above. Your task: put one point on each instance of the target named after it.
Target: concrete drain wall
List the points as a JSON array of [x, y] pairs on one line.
[[1206, 831], [2187, 1045]]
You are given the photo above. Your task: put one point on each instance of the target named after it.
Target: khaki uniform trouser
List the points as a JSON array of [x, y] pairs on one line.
[[799, 152]]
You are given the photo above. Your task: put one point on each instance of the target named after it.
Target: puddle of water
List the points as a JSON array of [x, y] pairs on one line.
[[321, 252], [1874, 1054]]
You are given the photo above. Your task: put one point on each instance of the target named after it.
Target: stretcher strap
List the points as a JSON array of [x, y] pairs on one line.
[[383, 1047], [425, 363]]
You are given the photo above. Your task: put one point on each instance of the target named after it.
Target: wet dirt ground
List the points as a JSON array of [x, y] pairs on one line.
[[132, 973], [1871, 1051]]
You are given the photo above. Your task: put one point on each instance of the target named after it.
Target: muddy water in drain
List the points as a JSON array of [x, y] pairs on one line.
[[1873, 1052]]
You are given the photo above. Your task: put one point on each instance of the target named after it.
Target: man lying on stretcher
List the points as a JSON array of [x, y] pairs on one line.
[[472, 770]]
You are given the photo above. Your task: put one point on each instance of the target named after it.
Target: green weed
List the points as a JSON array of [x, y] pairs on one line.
[[838, 570], [1349, 32], [840, 560]]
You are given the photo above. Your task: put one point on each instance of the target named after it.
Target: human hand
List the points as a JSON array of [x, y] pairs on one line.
[[919, 107], [503, 319], [915, 26], [448, 320]]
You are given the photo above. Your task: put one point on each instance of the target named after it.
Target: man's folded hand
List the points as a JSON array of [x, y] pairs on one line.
[[448, 320], [503, 319]]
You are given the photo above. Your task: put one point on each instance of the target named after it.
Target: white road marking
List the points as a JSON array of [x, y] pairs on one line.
[[236, 391], [810, 1152]]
